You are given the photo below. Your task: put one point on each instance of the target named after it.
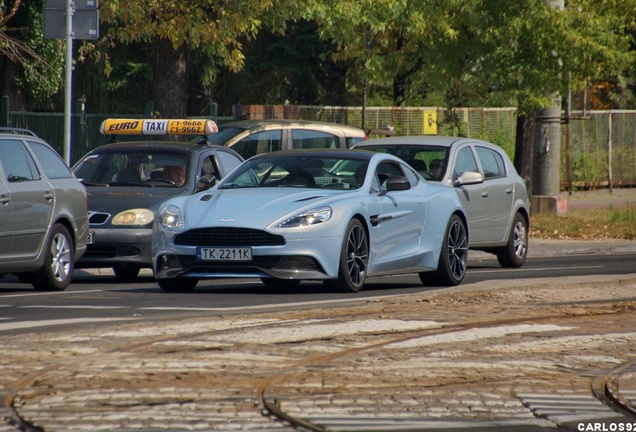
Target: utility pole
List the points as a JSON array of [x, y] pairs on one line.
[[546, 162], [69, 20]]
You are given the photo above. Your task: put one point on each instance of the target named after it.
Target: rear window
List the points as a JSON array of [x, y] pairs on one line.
[[52, 163]]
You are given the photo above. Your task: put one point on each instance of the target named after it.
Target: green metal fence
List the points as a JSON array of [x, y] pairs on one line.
[[598, 148]]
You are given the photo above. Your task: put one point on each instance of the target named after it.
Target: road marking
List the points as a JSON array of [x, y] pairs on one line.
[[72, 307], [48, 294], [502, 270], [48, 323]]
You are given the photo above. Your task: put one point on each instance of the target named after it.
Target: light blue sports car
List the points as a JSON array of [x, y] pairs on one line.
[[333, 215]]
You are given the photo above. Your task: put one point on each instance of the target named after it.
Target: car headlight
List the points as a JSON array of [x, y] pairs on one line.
[[171, 217], [310, 217], [134, 217]]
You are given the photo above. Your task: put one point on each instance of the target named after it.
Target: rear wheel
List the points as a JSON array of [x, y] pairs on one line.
[[451, 268], [514, 254], [354, 257], [178, 284], [280, 283], [126, 272], [56, 273]]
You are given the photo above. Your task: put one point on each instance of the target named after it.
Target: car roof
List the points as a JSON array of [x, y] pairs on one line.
[[264, 124], [12, 132], [429, 140], [156, 145], [326, 153]]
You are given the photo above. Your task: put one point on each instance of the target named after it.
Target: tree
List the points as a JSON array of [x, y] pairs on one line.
[[176, 28], [30, 66]]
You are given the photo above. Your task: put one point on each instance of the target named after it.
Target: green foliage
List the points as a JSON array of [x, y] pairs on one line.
[[41, 61]]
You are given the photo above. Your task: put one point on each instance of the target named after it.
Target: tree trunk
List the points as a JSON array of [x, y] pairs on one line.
[[170, 80], [524, 148]]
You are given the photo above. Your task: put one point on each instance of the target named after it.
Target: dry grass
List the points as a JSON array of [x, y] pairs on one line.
[[602, 223]]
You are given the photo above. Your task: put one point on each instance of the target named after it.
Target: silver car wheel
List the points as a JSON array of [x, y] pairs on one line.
[[457, 249], [514, 254], [357, 255], [520, 236], [354, 257], [60, 257]]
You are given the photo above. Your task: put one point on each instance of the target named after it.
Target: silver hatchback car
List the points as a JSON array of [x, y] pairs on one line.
[[43, 212], [492, 192]]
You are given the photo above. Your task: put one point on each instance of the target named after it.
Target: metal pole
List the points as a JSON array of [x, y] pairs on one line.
[[70, 10]]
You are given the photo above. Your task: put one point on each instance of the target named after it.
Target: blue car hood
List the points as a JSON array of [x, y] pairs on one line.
[[252, 208], [116, 199]]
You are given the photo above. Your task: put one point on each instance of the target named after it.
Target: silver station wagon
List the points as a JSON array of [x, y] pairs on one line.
[[43, 212]]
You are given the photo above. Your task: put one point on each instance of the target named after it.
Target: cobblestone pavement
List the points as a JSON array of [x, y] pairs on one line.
[[488, 356]]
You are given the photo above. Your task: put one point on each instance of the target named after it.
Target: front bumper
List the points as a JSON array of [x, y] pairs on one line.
[[118, 246], [304, 259]]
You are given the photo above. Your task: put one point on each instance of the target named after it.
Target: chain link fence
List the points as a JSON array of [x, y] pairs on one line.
[[598, 148]]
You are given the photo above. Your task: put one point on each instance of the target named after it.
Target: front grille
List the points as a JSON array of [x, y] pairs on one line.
[[228, 237]]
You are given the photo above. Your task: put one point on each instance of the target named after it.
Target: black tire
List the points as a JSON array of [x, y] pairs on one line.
[[126, 272], [25, 277], [354, 257], [59, 262], [178, 285], [514, 254], [280, 283], [451, 268]]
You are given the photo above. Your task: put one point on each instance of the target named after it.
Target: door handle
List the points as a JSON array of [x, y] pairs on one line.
[[48, 196], [4, 200], [485, 194]]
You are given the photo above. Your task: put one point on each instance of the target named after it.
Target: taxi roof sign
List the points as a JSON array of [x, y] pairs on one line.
[[158, 127]]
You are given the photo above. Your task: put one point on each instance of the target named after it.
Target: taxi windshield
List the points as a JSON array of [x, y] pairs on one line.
[[138, 167]]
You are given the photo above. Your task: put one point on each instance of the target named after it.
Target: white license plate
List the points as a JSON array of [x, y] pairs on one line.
[[89, 238], [225, 254]]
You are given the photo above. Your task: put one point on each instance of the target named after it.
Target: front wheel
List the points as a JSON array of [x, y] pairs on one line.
[[354, 257], [177, 285], [451, 268], [126, 272], [56, 273]]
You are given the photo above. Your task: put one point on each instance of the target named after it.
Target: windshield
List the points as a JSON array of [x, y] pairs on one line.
[[224, 135], [299, 171], [429, 160], [134, 167]]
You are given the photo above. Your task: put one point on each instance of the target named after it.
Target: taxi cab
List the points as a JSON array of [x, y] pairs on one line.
[[127, 181]]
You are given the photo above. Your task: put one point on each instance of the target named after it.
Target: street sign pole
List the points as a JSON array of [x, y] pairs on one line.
[[68, 80], [70, 19]]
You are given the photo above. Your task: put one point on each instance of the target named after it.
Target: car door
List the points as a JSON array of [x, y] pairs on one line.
[[397, 229], [213, 165], [32, 199], [474, 197], [6, 217], [501, 190]]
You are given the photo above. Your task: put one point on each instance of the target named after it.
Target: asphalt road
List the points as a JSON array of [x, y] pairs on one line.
[[100, 298]]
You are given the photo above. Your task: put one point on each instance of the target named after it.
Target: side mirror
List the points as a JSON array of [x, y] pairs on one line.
[[205, 183], [396, 183], [468, 178]]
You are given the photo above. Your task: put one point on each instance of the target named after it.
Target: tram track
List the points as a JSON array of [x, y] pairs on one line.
[[266, 391]]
